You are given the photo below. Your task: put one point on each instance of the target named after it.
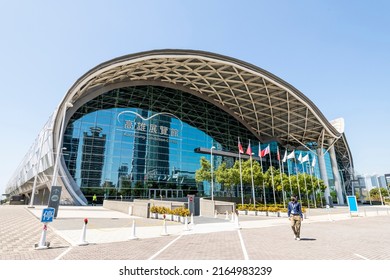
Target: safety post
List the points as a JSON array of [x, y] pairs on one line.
[[133, 236], [186, 228], [233, 217], [237, 224], [164, 231], [83, 237], [42, 242]]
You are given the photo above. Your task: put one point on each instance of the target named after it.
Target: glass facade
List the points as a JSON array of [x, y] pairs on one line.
[[142, 136]]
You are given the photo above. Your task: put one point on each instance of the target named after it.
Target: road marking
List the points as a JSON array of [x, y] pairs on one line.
[[243, 246], [63, 253], [360, 256], [166, 247]]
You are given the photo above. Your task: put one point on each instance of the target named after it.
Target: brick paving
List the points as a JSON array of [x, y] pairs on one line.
[[358, 238]]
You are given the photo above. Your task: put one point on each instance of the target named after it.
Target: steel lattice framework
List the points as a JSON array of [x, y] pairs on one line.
[[270, 108]]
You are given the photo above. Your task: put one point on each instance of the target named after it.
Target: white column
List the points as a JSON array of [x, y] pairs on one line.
[[336, 175], [324, 175]]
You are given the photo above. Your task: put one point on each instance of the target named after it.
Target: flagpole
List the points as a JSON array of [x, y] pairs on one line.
[[289, 175], [239, 159], [262, 171], [318, 184], [281, 177], [314, 189], [253, 183], [304, 178], [299, 189], [272, 175]]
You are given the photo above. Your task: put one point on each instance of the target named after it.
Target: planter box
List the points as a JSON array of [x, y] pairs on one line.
[[283, 214], [252, 213], [176, 218], [262, 213], [242, 212], [153, 215], [273, 214], [169, 217]]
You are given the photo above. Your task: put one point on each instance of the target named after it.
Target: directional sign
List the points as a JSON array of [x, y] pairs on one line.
[[47, 215]]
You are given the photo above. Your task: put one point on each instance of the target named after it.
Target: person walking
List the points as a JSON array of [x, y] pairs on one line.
[[94, 200], [294, 212]]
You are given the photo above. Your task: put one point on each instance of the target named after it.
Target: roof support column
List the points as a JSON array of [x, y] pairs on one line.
[[336, 174], [324, 175]]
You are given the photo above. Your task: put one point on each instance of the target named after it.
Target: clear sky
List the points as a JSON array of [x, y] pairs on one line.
[[336, 52]]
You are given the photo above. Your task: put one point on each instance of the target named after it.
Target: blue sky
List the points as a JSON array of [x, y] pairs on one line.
[[336, 52]]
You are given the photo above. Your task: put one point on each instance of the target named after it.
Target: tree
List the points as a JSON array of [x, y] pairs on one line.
[[203, 173]]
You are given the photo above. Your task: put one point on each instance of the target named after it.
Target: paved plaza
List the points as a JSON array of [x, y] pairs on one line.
[[325, 235]]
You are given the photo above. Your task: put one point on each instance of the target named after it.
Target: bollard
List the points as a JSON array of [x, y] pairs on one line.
[[42, 242], [227, 215], [192, 219], [83, 240], [164, 231], [365, 213], [215, 214], [237, 224], [186, 228], [233, 217], [133, 236]]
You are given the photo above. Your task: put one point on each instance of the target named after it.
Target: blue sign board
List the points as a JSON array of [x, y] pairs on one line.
[[352, 203], [47, 215]]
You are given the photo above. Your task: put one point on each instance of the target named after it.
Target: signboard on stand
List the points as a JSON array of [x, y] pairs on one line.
[[353, 206]]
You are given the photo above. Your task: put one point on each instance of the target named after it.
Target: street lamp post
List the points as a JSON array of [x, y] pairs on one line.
[[211, 172], [37, 167], [60, 136]]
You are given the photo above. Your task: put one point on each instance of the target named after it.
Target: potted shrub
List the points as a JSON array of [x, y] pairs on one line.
[[242, 209], [262, 211], [273, 211], [153, 212], [252, 210], [283, 212]]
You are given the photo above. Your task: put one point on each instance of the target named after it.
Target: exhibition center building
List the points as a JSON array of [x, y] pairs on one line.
[[141, 123]]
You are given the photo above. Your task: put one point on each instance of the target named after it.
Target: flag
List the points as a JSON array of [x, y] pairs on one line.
[[291, 155], [249, 150], [265, 152], [285, 156], [240, 149], [305, 158], [313, 163], [300, 157]]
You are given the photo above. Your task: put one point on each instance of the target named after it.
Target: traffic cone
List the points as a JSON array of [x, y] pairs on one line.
[[164, 229], [186, 228], [83, 240], [42, 242], [133, 236]]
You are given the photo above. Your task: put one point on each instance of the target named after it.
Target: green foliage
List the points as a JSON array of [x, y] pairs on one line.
[[203, 173], [374, 193]]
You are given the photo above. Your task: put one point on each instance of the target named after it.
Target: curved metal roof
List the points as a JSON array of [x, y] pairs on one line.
[[269, 107]]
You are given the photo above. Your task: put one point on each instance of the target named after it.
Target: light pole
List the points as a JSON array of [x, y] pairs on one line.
[[37, 167], [60, 136], [211, 172]]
